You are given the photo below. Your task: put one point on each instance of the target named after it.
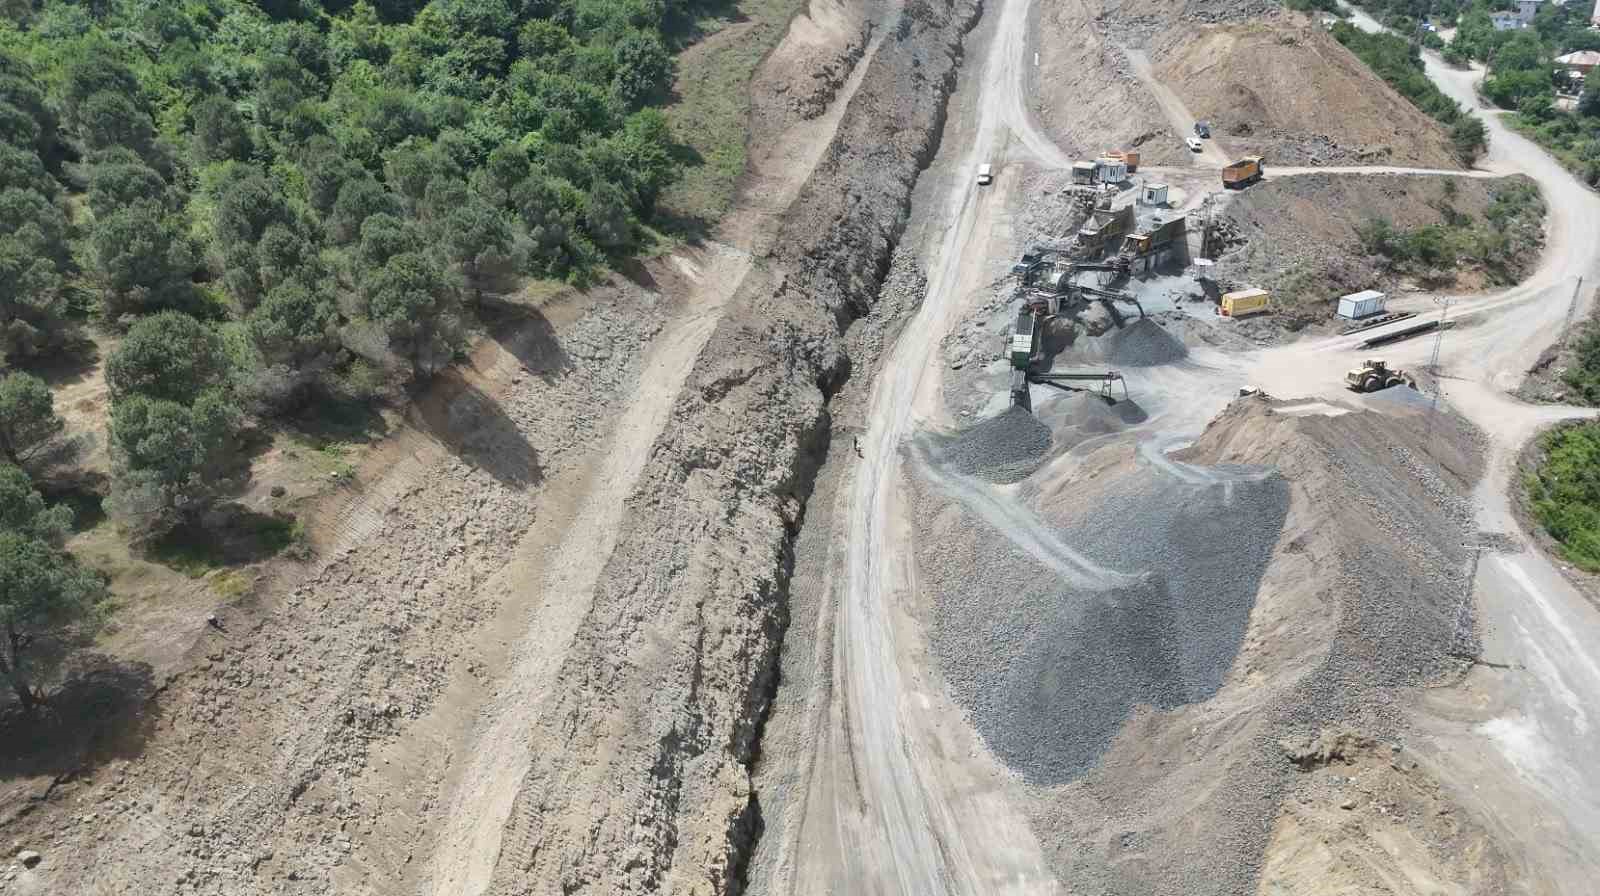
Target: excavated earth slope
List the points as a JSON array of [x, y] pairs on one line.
[[1283, 88]]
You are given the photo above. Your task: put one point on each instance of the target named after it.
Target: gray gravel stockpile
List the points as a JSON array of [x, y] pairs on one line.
[[1050, 672], [1143, 343], [1002, 449]]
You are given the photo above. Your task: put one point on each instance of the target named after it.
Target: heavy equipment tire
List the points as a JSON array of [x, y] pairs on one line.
[[1393, 381], [1371, 383]]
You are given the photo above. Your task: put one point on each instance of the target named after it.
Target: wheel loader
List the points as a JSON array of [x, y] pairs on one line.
[[1374, 375]]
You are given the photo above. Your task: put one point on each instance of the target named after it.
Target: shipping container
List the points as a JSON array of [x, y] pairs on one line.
[[1111, 171], [1245, 302], [1083, 173], [1362, 304], [1022, 338], [1155, 194]]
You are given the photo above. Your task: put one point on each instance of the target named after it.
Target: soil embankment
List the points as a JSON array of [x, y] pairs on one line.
[[1308, 238]]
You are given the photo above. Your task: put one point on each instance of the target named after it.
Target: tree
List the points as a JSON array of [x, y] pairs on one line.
[[168, 356], [220, 132], [383, 236], [358, 200], [414, 302], [169, 459], [294, 324], [110, 119], [20, 168], [474, 238], [506, 167], [1589, 100], [1469, 138], [142, 258], [94, 72], [606, 218], [23, 94], [28, 421], [42, 589], [643, 68], [117, 184], [325, 169], [17, 127], [23, 510], [32, 308]]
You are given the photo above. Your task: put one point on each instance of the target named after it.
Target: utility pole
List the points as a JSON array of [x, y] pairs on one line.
[[1433, 368]]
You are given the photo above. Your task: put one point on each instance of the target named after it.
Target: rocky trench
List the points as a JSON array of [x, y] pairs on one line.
[[641, 780]]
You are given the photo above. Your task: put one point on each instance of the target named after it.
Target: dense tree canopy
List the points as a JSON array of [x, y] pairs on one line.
[[42, 587]]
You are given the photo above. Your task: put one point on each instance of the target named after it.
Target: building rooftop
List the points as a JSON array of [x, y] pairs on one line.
[[1580, 57]]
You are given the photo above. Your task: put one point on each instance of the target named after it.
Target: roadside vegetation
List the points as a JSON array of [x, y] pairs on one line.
[[1582, 374], [1563, 491], [1500, 243], [1399, 63]]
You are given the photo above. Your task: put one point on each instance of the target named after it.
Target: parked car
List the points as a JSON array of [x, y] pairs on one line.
[[985, 174], [1193, 143]]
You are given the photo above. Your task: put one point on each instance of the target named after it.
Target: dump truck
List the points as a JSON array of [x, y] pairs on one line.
[[1242, 173], [1129, 157], [1244, 302], [1375, 375]]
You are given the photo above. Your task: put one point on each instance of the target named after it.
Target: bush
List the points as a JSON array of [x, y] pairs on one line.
[[1564, 492]]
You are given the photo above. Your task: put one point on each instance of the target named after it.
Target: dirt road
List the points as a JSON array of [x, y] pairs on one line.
[[1178, 115]]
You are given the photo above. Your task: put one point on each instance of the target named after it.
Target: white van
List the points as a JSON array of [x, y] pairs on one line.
[[1193, 143], [985, 174]]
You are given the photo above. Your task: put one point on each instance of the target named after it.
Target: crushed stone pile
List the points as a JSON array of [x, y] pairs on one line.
[[1050, 669], [1143, 343], [1002, 449]]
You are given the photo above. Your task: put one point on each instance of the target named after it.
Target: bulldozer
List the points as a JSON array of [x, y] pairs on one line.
[[1374, 375]]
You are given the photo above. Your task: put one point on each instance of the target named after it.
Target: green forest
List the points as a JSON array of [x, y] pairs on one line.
[[280, 203]]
